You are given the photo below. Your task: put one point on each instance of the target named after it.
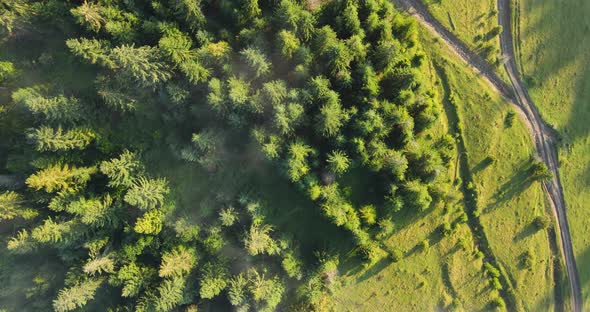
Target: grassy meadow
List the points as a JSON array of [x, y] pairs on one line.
[[507, 200], [553, 43], [473, 21]]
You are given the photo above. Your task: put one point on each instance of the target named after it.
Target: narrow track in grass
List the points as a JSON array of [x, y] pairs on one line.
[[545, 143], [543, 135]]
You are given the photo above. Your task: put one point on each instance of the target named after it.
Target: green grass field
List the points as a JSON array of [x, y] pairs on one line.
[[473, 22], [554, 52], [507, 200]]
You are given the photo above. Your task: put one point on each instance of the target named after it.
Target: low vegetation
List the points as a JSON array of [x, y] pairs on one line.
[[552, 44]]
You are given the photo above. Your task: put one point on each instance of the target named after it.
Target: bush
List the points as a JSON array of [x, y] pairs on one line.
[[396, 254], [528, 259], [445, 229], [425, 244], [509, 121], [492, 270], [498, 302], [496, 283], [542, 222], [540, 172]]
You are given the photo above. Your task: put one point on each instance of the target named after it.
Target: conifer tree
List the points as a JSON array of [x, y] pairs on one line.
[[89, 15], [76, 296], [338, 162], [51, 231], [297, 163], [59, 109], [147, 193], [256, 61], [93, 211], [92, 50], [288, 43], [50, 139], [122, 170], [258, 240], [13, 205], [150, 223], [170, 294], [142, 64], [177, 262], [60, 178], [213, 279], [99, 265]]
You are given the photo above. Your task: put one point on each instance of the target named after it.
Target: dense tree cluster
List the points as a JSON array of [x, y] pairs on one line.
[[320, 95]]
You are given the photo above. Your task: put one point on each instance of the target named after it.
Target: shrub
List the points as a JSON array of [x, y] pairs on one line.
[[425, 244], [396, 254], [542, 222]]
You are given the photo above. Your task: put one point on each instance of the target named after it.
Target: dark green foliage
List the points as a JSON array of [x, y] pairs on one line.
[[542, 222], [540, 172]]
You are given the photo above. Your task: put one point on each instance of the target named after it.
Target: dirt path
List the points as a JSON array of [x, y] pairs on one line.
[[517, 94], [546, 146]]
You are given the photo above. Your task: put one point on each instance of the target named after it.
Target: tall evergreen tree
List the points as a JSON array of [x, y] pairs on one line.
[[50, 139]]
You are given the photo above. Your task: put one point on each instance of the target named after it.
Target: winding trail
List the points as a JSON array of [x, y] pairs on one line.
[[517, 95]]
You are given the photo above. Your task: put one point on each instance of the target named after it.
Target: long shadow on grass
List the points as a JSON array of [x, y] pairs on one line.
[[528, 230], [516, 185], [451, 102]]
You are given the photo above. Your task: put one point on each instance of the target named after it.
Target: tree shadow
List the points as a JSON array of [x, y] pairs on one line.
[[374, 269], [517, 184], [527, 231], [482, 165]]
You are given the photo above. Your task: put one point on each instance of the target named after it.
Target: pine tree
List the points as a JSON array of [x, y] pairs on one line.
[[13, 205], [21, 243], [237, 289], [150, 223], [249, 10], [60, 178], [256, 61], [146, 193], [258, 240], [297, 163], [288, 43], [117, 94], [133, 277], [93, 211], [51, 231], [228, 216], [122, 170], [176, 46], [266, 293], [56, 109], [99, 265], [88, 14], [331, 118], [76, 296], [170, 294], [338, 162], [213, 279], [177, 262], [142, 64], [189, 11], [92, 50], [238, 91], [49, 139]]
